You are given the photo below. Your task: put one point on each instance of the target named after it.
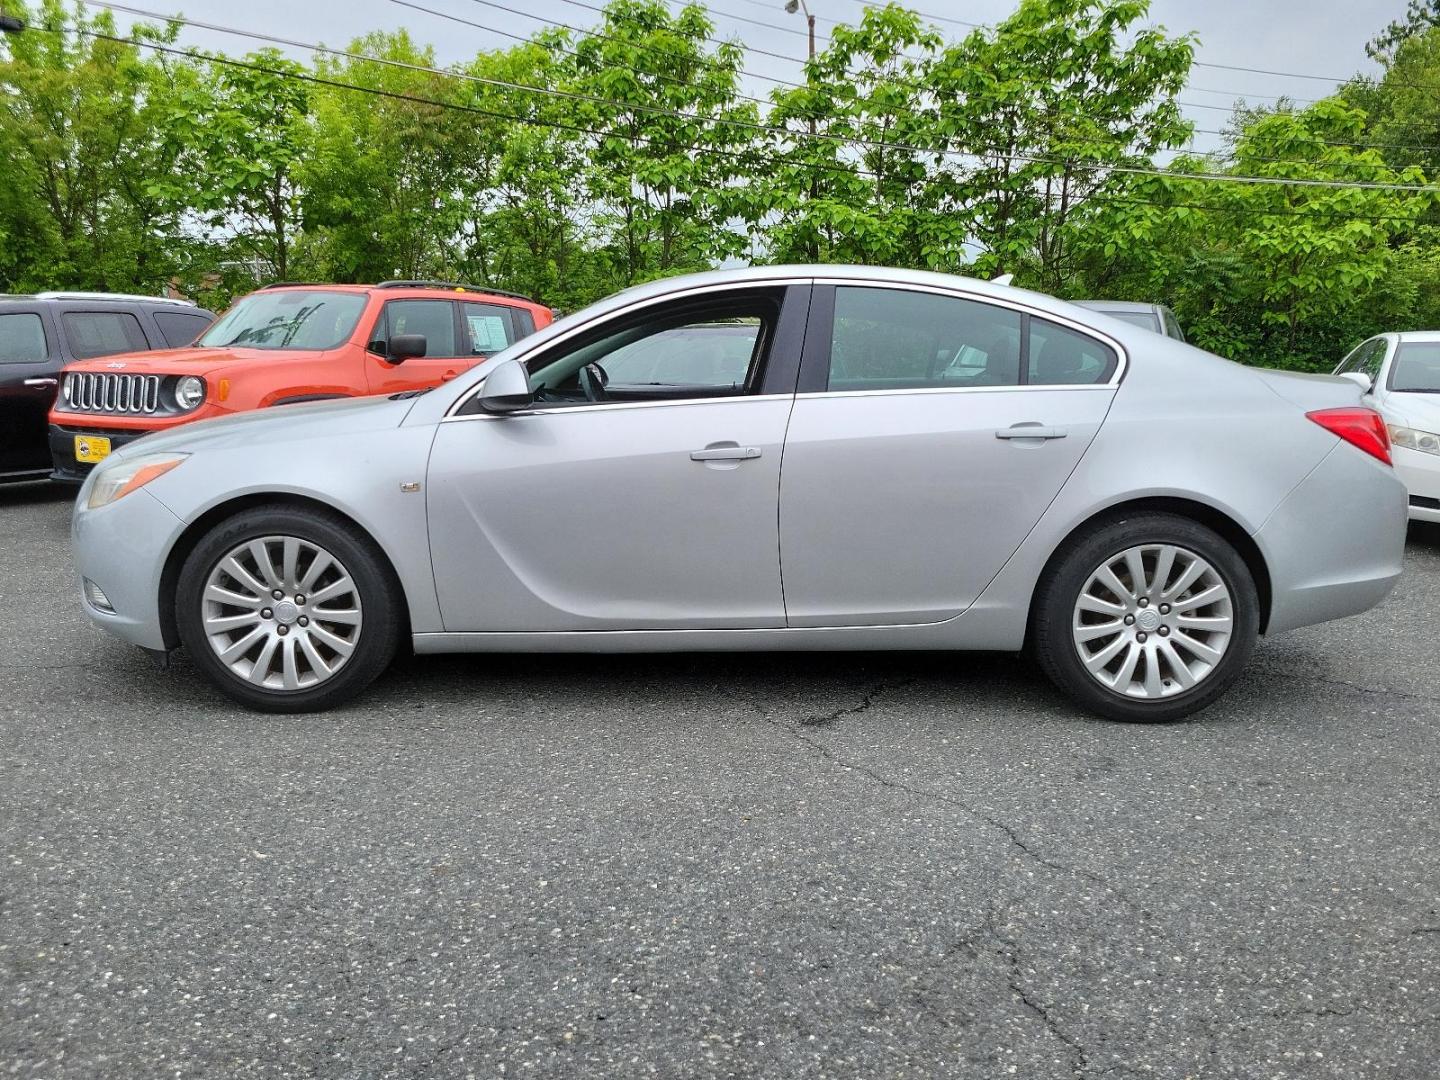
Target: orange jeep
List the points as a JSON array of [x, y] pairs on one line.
[[285, 343]]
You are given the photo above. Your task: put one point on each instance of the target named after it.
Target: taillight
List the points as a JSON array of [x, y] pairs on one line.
[[1359, 427]]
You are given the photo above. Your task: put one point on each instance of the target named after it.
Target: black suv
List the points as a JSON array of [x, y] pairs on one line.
[[40, 334]]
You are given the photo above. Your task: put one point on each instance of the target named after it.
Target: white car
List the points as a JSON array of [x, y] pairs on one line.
[[1400, 374]]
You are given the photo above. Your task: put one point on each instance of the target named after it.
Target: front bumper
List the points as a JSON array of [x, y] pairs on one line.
[[62, 449], [121, 548], [1420, 474]]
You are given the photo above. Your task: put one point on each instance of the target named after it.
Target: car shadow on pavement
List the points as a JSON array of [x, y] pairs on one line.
[[33, 494]]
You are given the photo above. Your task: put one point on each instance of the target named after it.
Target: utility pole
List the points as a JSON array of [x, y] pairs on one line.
[[791, 7]]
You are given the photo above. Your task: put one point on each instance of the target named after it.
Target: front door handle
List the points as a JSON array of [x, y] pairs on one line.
[[725, 453], [42, 382], [1031, 431]]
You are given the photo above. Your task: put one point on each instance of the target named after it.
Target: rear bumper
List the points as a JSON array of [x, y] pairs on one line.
[[62, 449], [1336, 545]]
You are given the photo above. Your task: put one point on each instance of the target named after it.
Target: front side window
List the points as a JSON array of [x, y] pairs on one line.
[[693, 349], [435, 319], [102, 333], [1416, 369], [892, 339], [22, 339], [288, 319]]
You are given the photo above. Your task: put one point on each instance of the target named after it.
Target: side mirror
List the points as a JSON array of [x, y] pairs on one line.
[[1360, 379], [403, 347], [506, 389]]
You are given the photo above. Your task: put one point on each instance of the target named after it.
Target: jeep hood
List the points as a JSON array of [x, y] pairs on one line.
[[191, 361]]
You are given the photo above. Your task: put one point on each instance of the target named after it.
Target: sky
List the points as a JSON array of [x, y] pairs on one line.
[[1320, 37]]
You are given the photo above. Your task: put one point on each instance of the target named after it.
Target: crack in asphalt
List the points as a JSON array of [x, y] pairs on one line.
[[878, 690], [1009, 949], [794, 730], [1371, 691]]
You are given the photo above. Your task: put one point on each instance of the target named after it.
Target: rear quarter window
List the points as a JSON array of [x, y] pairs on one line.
[[102, 333], [180, 328]]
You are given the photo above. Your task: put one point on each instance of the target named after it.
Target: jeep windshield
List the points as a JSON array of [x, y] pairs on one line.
[[288, 319]]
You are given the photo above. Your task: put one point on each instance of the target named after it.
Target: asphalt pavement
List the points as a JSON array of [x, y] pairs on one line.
[[732, 866]]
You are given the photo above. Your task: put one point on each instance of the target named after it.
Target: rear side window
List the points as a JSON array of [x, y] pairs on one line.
[[893, 339], [22, 339], [179, 328], [433, 318], [488, 327], [101, 333], [1060, 356]]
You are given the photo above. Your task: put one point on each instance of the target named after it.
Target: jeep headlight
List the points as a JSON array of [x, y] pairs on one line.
[[189, 392], [123, 475], [1427, 442]]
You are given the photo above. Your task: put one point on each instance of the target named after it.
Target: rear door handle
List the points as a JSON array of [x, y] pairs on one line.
[[42, 382], [1031, 431], [725, 453]]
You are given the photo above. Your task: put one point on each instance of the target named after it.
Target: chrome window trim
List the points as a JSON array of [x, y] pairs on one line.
[[613, 406], [629, 309], [959, 292]]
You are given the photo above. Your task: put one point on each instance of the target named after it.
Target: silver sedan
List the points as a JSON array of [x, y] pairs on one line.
[[766, 459]]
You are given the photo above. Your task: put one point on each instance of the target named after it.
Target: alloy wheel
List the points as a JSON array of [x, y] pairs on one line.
[[1153, 621], [281, 613]]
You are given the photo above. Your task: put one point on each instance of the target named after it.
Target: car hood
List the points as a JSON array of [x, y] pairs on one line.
[[191, 361], [323, 421], [1413, 410]]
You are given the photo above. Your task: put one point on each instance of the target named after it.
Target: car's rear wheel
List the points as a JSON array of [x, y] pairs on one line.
[[1146, 618], [285, 609]]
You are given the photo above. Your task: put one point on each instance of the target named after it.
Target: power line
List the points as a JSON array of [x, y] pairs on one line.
[[881, 145], [558, 125]]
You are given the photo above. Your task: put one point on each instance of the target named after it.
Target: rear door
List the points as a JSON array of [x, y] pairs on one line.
[[29, 375], [931, 432]]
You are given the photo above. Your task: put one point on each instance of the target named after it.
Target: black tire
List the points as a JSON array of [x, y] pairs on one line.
[[1059, 589], [380, 595]]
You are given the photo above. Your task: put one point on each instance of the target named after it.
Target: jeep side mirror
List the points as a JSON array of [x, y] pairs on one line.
[[402, 347], [1360, 379], [506, 389]]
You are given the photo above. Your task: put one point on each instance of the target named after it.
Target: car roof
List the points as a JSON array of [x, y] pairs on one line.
[[1117, 305], [760, 275], [426, 290], [1412, 335]]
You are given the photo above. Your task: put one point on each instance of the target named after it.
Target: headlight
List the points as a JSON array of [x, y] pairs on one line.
[[189, 392], [129, 474], [1414, 439]]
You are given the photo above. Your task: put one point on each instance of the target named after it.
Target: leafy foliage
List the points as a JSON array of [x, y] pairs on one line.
[[576, 163]]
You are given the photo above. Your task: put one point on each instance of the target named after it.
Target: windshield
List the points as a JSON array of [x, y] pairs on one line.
[[288, 319], [1136, 318], [1416, 368]]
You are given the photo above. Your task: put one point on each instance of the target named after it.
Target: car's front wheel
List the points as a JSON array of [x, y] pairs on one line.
[[1146, 618], [286, 609]]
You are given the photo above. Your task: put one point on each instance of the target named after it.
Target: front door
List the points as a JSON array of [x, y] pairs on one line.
[[937, 434], [29, 376], [640, 490], [446, 355]]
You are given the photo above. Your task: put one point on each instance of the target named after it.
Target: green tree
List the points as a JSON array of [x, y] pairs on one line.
[[1279, 274], [665, 136], [239, 134], [83, 134], [1050, 103]]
